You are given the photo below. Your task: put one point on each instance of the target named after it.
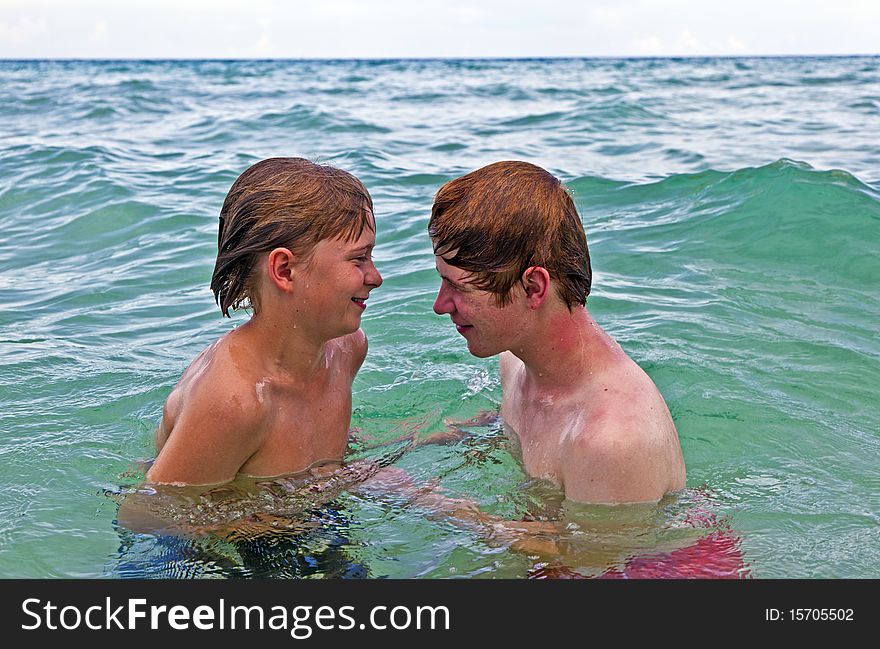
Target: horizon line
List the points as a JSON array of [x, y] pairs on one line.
[[435, 58]]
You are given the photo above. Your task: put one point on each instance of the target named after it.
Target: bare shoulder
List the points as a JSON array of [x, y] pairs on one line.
[[354, 349], [177, 399], [626, 397], [509, 365], [217, 423], [604, 466], [626, 449]]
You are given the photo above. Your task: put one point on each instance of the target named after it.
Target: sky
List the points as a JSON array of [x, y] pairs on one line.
[[442, 28]]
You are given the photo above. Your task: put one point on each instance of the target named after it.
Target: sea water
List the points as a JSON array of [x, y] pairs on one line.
[[732, 208]]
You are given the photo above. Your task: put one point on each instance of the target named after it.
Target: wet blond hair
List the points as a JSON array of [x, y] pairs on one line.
[[282, 202]]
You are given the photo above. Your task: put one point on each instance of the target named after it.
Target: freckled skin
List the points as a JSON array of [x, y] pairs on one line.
[[273, 396], [584, 414]]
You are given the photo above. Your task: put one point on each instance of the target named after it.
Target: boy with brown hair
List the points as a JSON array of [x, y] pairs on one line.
[[273, 396], [512, 254]]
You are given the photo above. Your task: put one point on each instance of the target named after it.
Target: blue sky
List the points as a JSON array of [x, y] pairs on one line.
[[454, 28]]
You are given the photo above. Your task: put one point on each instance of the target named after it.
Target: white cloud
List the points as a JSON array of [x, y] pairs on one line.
[[650, 46], [687, 43], [263, 46], [99, 33], [736, 45]]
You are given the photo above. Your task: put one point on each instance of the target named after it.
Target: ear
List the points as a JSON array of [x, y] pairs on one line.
[[536, 281], [281, 269]]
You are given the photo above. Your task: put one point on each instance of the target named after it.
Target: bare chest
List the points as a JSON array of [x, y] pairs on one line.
[[301, 430], [542, 429]]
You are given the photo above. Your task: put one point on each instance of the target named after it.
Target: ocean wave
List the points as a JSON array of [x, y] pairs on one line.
[[747, 290]]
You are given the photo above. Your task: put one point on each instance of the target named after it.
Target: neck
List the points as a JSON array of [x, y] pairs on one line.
[[285, 347], [562, 348]]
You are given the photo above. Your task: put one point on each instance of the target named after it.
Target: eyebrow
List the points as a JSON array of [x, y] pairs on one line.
[[442, 276], [366, 248]]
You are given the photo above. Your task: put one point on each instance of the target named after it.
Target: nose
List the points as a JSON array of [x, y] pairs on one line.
[[373, 277], [443, 302]]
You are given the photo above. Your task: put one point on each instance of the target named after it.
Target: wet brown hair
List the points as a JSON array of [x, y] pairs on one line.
[[498, 221], [282, 203]]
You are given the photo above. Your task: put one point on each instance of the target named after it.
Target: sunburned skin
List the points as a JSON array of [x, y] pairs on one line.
[[614, 412], [586, 416]]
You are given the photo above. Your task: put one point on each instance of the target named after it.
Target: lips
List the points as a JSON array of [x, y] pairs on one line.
[[462, 328], [360, 301]]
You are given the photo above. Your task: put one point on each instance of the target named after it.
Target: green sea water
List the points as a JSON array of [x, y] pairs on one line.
[[732, 208]]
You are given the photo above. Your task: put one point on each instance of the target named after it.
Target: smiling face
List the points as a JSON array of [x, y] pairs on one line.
[[335, 283], [488, 328]]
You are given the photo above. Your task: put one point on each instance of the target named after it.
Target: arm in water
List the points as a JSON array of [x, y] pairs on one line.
[[162, 510], [243, 508], [454, 432], [534, 537], [280, 506], [520, 535]]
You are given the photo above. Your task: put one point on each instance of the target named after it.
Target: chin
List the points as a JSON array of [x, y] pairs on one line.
[[351, 329], [483, 353], [346, 328]]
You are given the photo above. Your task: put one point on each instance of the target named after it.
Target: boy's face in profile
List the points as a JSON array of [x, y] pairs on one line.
[[337, 280], [488, 328]]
